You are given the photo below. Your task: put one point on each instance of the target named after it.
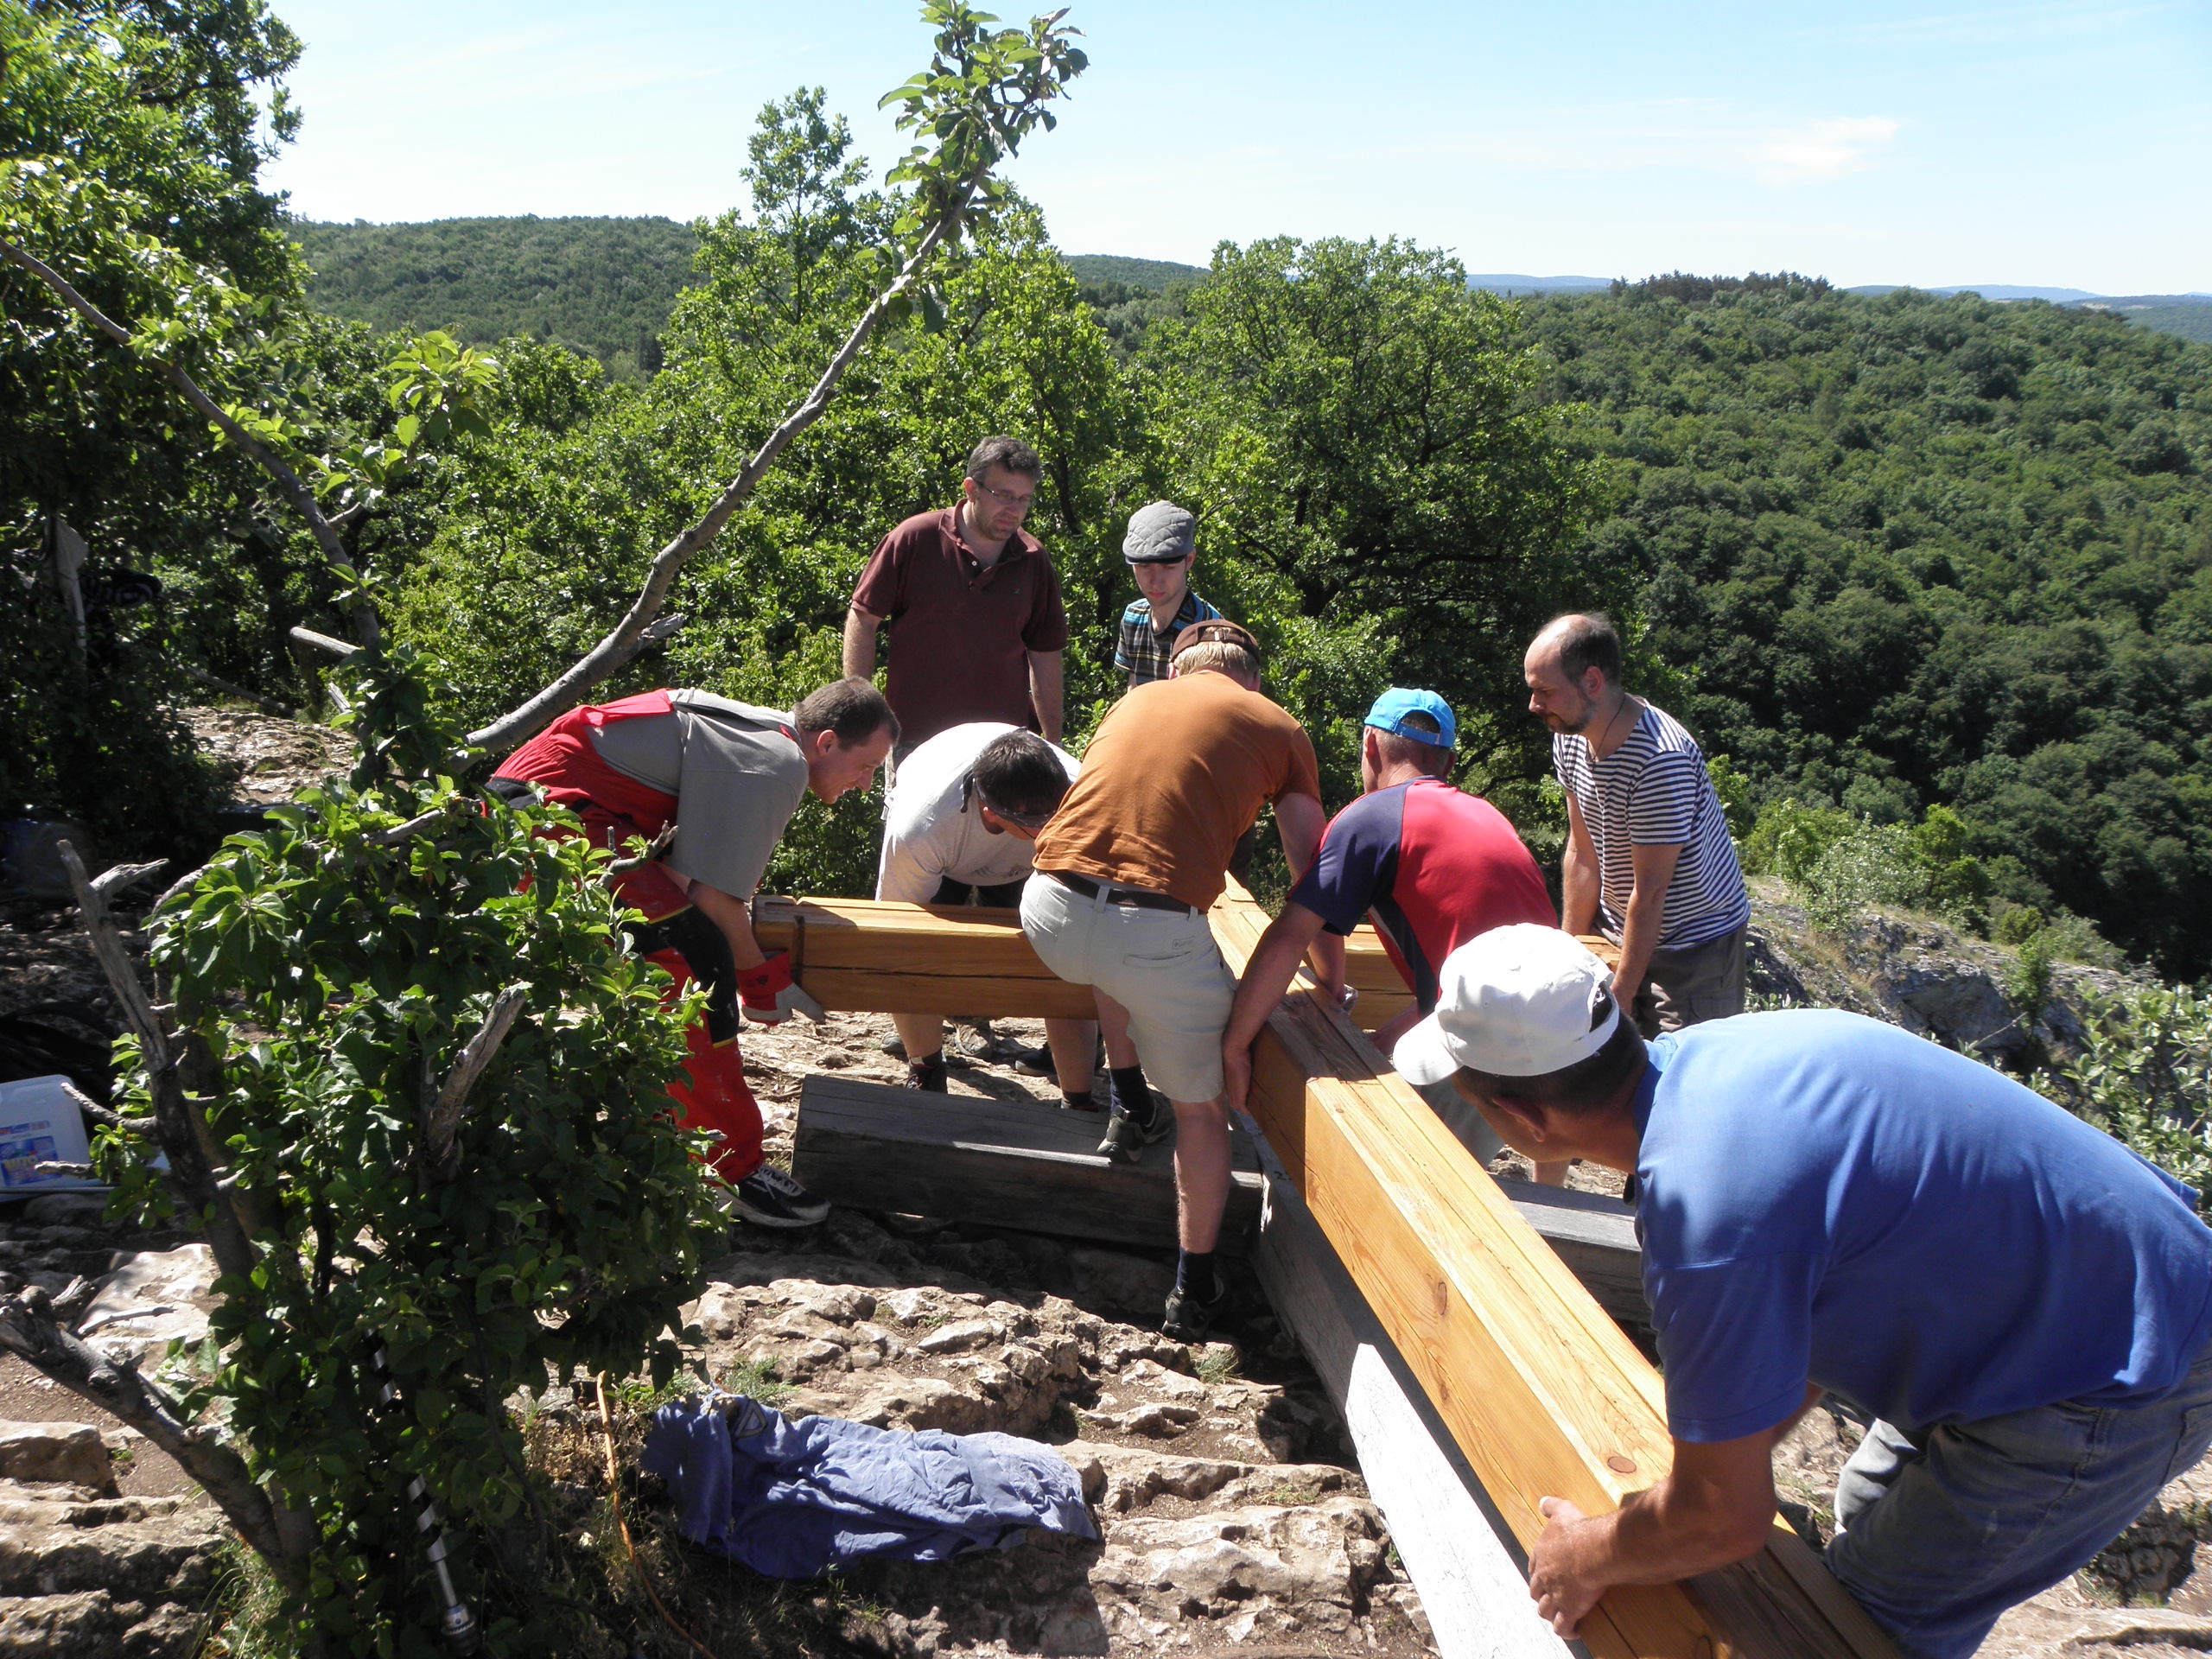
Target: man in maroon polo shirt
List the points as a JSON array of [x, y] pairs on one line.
[[976, 624]]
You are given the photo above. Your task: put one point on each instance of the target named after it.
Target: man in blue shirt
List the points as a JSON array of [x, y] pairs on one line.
[[1833, 1204]]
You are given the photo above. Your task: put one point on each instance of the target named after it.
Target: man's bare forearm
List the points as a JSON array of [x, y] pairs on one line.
[[1045, 693], [859, 643], [1267, 974]]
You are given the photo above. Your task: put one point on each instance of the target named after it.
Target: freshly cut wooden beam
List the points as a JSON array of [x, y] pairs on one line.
[[1594, 1236], [1541, 1390], [862, 956], [1019, 1164]]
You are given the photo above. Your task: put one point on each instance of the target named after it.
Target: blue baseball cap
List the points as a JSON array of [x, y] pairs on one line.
[[1390, 709]]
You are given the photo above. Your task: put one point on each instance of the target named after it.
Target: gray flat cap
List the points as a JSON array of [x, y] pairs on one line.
[[1160, 533]]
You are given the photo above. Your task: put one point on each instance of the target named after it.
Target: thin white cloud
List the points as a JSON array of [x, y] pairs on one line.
[[2011, 26], [1825, 149]]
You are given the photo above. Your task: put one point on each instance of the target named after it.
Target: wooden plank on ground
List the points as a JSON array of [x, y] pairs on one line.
[[1026, 1165], [1461, 1556], [1542, 1392]]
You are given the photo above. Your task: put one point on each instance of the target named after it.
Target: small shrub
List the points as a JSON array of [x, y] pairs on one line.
[[1875, 864], [1790, 837], [2144, 1076]]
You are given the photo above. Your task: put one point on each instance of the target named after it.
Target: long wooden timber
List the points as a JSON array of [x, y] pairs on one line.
[[1541, 1390], [870, 956]]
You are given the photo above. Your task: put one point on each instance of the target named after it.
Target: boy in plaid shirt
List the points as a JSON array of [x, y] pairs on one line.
[[1161, 543]]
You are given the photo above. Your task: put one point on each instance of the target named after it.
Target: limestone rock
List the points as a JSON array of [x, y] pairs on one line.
[[170, 1558], [148, 1299], [96, 1625], [70, 1454]]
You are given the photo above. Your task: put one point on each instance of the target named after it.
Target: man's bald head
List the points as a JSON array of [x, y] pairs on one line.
[[1580, 640]]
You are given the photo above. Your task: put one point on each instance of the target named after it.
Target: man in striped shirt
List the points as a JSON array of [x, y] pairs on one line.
[[1648, 859]]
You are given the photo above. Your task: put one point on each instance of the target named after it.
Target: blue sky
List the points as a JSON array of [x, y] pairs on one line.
[[2061, 144]]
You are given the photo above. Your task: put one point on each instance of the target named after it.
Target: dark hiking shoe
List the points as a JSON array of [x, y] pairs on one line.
[[894, 1046], [1127, 1136], [1189, 1319], [927, 1074], [768, 1197], [976, 1040]]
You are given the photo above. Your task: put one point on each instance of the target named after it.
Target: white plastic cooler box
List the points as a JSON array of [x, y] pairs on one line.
[[40, 1124]]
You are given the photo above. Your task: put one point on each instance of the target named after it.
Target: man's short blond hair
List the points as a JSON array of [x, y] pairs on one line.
[[1221, 655]]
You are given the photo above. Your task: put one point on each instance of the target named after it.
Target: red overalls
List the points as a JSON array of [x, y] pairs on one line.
[[564, 765]]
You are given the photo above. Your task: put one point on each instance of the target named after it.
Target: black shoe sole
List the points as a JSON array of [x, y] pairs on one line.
[[1126, 1144]]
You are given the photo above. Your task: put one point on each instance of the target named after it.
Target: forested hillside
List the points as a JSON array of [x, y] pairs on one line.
[[601, 286], [1907, 550]]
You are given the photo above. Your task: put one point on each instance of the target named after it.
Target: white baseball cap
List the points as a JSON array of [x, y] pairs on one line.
[[1517, 1002]]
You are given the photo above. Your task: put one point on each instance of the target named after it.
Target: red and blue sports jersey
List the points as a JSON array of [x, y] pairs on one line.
[[1436, 865]]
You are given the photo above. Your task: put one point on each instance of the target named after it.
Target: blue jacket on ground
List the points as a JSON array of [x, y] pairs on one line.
[[793, 1500], [1831, 1199]]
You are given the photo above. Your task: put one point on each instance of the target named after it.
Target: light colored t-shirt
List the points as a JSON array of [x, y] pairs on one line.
[[1177, 770], [1653, 792], [737, 774], [933, 826]]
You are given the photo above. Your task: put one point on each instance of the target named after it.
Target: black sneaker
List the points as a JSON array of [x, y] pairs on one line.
[[1127, 1136], [1029, 1061], [768, 1197], [927, 1074], [1189, 1319]]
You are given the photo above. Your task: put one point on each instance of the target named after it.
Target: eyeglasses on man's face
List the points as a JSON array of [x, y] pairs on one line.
[[1020, 504]]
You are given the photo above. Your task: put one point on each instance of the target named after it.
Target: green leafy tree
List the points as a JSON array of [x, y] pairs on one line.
[[302, 1067], [1364, 442], [119, 123]]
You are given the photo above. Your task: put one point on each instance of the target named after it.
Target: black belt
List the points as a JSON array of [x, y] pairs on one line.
[[1137, 896]]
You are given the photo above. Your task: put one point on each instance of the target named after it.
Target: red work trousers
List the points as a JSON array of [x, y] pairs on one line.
[[562, 764]]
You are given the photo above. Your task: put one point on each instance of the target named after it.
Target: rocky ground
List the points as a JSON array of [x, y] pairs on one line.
[[1231, 1515]]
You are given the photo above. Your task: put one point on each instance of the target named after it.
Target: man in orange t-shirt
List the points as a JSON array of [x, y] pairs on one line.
[[1125, 874]]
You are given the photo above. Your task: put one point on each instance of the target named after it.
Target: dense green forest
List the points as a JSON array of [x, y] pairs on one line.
[[600, 286], [1900, 551]]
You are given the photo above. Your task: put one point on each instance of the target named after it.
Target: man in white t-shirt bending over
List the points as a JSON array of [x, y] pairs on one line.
[[957, 829]]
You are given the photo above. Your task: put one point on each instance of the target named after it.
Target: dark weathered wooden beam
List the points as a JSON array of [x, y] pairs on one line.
[[1020, 1164]]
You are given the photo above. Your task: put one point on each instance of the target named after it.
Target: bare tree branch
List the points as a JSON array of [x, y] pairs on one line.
[[400, 834], [29, 1331], [213, 683], [192, 1172], [362, 614], [323, 642], [441, 1113], [624, 642], [114, 881]]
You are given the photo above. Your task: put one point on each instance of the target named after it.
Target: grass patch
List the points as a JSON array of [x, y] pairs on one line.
[[756, 1380], [1216, 1363]]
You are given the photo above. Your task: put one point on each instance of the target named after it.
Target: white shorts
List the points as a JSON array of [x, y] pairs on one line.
[[1161, 965]]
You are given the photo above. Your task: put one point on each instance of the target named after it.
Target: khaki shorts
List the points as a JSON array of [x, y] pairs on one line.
[[1161, 965]]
